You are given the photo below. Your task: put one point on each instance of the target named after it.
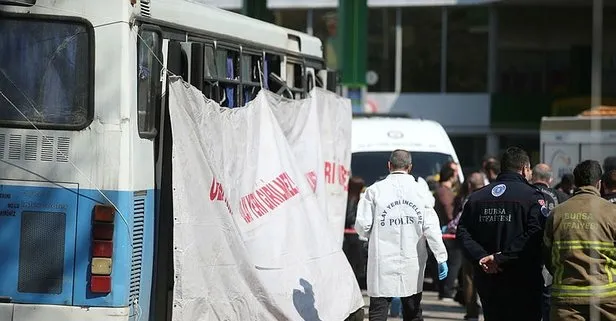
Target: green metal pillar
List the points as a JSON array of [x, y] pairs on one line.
[[257, 9], [352, 36]]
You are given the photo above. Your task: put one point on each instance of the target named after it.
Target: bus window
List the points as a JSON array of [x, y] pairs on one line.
[[250, 76], [196, 64], [148, 84], [291, 75], [227, 65], [274, 63], [299, 80], [211, 88], [276, 83], [295, 79], [46, 72], [209, 64], [309, 82]]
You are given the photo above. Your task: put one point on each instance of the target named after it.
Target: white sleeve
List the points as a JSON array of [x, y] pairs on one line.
[[426, 193], [432, 231], [365, 214]]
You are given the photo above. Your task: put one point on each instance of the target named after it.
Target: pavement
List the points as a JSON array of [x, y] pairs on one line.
[[433, 308]]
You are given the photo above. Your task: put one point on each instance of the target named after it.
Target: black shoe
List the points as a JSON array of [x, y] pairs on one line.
[[459, 297]]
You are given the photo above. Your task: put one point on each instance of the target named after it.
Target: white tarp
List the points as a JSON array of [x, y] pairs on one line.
[[251, 239], [318, 130]]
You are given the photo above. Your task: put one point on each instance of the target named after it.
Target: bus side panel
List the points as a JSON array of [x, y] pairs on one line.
[[37, 241], [134, 210], [143, 257]]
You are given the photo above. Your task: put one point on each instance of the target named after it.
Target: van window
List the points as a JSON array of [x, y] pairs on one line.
[[372, 166]]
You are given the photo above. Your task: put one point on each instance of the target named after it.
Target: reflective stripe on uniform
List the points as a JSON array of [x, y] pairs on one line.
[[564, 290]]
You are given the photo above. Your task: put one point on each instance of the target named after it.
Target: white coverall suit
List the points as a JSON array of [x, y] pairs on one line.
[[396, 215]]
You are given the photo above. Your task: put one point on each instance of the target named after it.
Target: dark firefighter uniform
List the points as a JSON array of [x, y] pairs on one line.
[[580, 253], [506, 218], [552, 196]]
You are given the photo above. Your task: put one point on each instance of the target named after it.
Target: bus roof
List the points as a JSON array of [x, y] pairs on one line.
[[188, 13], [230, 24]]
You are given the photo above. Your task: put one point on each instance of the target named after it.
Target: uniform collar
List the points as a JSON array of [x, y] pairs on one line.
[[511, 177], [541, 184], [587, 190], [398, 172]]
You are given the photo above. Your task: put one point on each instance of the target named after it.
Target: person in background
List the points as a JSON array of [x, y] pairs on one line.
[[469, 293], [395, 206], [444, 208], [485, 171], [352, 245], [456, 168], [500, 231], [609, 186], [609, 164], [396, 304], [566, 184], [579, 250], [542, 179], [493, 168]]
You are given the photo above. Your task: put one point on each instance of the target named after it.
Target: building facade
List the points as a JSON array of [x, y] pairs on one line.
[[486, 70]]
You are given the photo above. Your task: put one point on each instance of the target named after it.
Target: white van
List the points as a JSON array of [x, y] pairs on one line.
[[374, 137]]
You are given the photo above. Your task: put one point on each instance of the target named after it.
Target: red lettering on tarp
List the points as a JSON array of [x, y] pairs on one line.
[[343, 177], [285, 183], [337, 174], [244, 210], [275, 198], [312, 179], [328, 173], [267, 198], [254, 205], [217, 194]]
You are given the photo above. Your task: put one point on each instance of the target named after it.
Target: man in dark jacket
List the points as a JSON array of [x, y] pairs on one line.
[[542, 179], [444, 207], [500, 231], [352, 246]]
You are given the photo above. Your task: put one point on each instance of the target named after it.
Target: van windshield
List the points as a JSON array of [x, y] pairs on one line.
[[372, 166]]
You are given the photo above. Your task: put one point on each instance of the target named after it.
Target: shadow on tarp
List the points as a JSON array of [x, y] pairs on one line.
[[303, 300]]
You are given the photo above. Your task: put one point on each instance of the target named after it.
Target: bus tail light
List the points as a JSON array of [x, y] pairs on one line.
[[102, 248], [102, 231], [100, 284], [104, 213]]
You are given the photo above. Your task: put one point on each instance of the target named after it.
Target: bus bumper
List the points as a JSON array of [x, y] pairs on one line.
[[36, 312]]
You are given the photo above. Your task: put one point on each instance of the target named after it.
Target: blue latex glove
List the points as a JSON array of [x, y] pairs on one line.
[[442, 271], [444, 229]]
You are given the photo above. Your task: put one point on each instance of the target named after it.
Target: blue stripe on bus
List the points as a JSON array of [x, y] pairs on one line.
[[78, 205]]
